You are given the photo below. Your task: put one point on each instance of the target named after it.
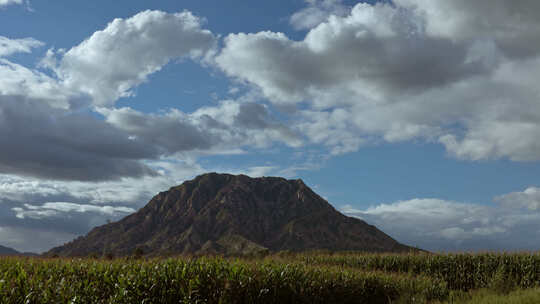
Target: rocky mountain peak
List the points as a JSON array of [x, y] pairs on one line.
[[233, 214]]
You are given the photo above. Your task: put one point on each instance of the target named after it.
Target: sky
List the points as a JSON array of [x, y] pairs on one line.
[[421, 117]]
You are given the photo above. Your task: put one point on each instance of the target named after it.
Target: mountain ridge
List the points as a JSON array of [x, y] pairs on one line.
[[8, 251], [233, 214]]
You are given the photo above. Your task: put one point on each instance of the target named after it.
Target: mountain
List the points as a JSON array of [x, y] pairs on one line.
[[8, 251], [232, 215]]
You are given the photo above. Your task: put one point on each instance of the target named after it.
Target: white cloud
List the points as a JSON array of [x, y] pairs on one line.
[[52, 139], [441, 71], [513, 25], [110, 63], [374, 49], [127, 191], [50, 115], [20, 189], [435, 224], [9, 2], [317, 12], [529, 198], [496, 139], [332, 129], [17, 80], [53, 209], [231, 124], [12, 46]]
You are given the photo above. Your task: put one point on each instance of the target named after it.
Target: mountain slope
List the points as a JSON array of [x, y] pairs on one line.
[[228, 214], [8, 251]]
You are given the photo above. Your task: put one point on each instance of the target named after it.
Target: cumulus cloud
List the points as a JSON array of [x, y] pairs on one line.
[[51, 116], [12, 46], [110, 63], [376, 47], [496, 139], [135, 192], [529, 198], [468, 20], [441, 225], [317, 12], [399, 71], [173, 131], [230, 124], [17, 81], [331, 129]]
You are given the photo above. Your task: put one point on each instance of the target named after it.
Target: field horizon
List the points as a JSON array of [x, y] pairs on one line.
[[286, 277]]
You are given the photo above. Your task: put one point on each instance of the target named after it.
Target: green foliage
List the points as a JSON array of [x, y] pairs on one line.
[[459, 271], [284, 278], [200, 281]]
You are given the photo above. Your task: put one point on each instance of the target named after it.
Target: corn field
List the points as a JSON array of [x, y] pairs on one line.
[[294, 278], [459, 271]]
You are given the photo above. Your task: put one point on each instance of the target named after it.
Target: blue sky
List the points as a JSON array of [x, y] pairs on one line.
[[420, 117]]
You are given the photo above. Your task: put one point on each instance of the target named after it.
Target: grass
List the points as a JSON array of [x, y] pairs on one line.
[[486, 296], [531, 296], [282, 278]]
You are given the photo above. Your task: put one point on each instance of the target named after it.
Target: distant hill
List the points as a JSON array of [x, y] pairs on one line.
[[232, 215], [8, 251]]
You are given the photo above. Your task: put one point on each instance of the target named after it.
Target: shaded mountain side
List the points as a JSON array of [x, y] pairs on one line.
[[8, 251], [233, 214]]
